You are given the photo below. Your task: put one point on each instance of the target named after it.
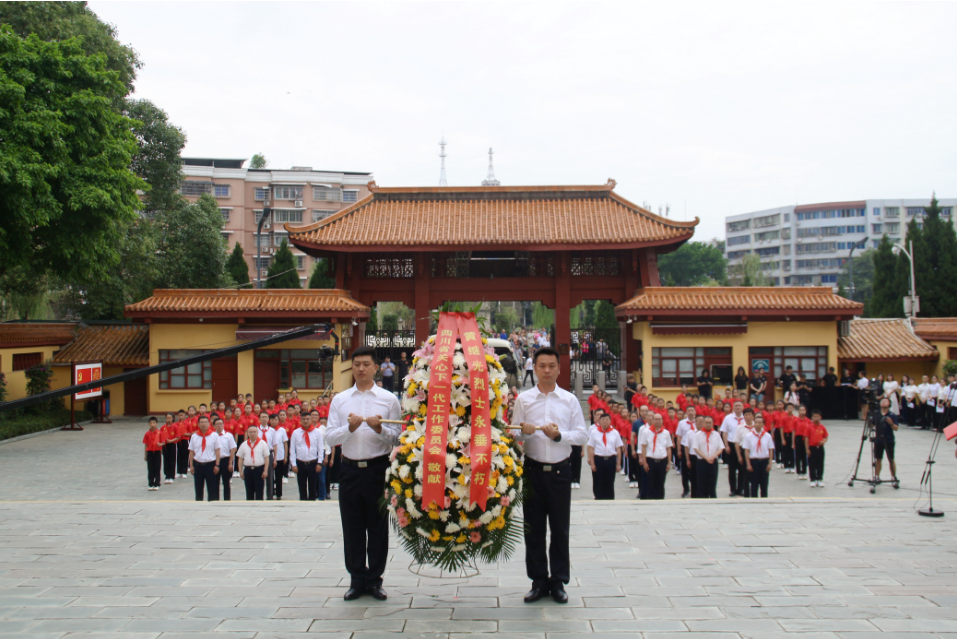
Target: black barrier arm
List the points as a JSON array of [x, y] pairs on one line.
[[302, 331]]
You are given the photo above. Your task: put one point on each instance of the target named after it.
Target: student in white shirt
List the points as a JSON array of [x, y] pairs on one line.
[[736, 446], [253, 458], [267, 433], [758, 457], [204, 460], [728, 429], [604, 457], [891, 392], [684, 434], [281, 442], [328, 457], [937, 407], [709, 445], [923, 394], [306, 453], [227, 455], [655, 446], [910, 402]]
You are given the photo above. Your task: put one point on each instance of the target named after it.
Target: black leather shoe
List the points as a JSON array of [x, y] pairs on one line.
[[559, 594], [534, 595], [377, 593], [352, 594]]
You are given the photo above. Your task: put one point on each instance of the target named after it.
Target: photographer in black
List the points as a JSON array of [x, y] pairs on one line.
[[887, 424]]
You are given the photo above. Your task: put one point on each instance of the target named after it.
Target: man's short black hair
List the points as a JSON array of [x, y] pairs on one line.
[[151, 419], [816, 411], [789, 368], [547, 350], [274, 416], [748, 410], [364, 351]]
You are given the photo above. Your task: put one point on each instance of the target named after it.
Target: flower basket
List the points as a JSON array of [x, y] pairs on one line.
[[456, 531]]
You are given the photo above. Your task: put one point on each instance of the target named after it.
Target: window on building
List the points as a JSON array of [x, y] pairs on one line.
[[190, 187], [193, 376], [877, 211], [877, 228], [736, 255], [803, 280], [915, 210], [286, 215], [673, 367], [892, 228], [785, 234], [23, 361], [892, 211], [263, 262], [326, 194], [772, 360], [787, 217], [739, 239], [320, 214], [829, 279], [875, 243], [300, 262], [287, 192], [300, 368], [742, 225], [277, 238], [945, 211], [786, 249], [951, 352], [786, 265], [771, 250], [350, 196], [220, 190], [767, 236], [767, 220], [259, 193], [225, 214]]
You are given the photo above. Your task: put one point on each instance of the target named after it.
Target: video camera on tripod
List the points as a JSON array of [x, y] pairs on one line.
[[874, 433]]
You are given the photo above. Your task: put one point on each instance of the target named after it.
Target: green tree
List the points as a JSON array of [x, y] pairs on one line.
[[935, 263], [542, 316], [862, 269], [373, 324], [24, 292], [158, 157], [885, 300], [258, 161], [282, 271], [390, 322], [191, 249], [607, 326], [237, 267], [320, 277], [589, 313], [751, 271], [692, 264], [65, 154]]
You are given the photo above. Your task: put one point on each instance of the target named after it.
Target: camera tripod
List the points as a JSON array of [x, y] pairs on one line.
[[872, 432]]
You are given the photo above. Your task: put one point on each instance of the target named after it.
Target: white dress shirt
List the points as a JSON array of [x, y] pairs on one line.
[[688, 437], [707, 443], [325, 439], [364, 443], [558, 407], [602, 449], [730, 425], [924, 391], [656, 449], [261, 450], [685, 426], [279, 440], [299, 451], [890, 392], [740, 434], [863, 383], [759, 447], [226, 444], [196, 445]]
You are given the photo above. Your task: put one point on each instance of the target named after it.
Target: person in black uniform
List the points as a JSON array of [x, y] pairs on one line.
[[366, 443]]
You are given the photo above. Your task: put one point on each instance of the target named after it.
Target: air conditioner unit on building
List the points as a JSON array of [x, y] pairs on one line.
[[264, 272], [267, 225], [267, 202], [298, 203]]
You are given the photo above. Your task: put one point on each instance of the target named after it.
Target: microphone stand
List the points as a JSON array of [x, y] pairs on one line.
[[928, 476]]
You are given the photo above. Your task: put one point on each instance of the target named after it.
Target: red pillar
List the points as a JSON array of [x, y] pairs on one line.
[[423, 311], [563, 331]]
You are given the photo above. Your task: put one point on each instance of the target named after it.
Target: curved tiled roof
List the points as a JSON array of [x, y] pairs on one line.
[[15, 334], [246, 302], [457, 217], [115, 345], [939, 328], [739, 299], [877, 339]]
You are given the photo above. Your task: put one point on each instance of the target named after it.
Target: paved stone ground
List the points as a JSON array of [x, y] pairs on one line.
[[86, 551]]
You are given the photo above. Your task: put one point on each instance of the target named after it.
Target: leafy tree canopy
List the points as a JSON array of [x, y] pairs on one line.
[[192, 253], [157, 159], [693, 264], [258, 162], [282, 271], [236, 266], [321, 278]]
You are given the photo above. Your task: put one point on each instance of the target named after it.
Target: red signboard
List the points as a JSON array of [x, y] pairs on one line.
[[83, 373]]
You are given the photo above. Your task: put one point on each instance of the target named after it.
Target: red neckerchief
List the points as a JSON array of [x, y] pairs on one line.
[[305, 434], [604, 435], [203, 437], [760, 437], [654, 440], [252, 450]]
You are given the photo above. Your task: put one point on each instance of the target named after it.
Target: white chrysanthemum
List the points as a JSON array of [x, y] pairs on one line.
[[502, 485], [463, 434], [410, 404], [419, 472], [486, 517], [512, 494], [444, 515], [391, 509], [452, 528], [422, 532], [404, 471], [451, 459], [497, 511], [458, 359], [417, 490], [498, 463], [458, 548], [460, 491]]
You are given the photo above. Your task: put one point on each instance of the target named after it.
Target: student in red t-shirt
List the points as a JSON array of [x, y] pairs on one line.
[[801, 428], [815, 438], [294, 399], [169, 436], [776, 426], [787, 429], [152, 455]]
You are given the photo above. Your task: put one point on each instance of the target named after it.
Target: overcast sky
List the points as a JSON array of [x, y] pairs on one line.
[[715, 109]]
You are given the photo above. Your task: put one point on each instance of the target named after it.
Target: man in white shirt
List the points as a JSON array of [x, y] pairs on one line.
[[204, 460], [253, 458], [529, 367], [604, 458], [306, 456], [708, 444], [737, 449], [728, 429], [758, 457], [227, 454], [354, 423], [683, 435], [281, 441], [655, 458], [561, 425]]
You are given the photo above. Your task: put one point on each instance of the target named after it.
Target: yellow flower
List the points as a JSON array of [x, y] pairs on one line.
[[408, 493], [397, 486], [420, 441], [460, 539], [463, 517], [463, 460], [510, 480], [448, 538], [434, 535], [407, 480], [434, 514], [423, 410], [463, 479], [460, 411], [500, 522], [518, 471]]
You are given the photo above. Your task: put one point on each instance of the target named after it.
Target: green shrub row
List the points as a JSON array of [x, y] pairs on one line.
[[26, 424]]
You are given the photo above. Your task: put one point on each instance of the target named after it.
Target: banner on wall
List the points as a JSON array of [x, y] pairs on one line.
[[83, 373]]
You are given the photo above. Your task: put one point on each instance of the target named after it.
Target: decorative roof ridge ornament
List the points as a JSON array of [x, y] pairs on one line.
[[610, 184], [372, 186]]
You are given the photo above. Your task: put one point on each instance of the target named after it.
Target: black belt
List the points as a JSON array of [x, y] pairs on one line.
[[545, 467], [195, 461], [365, 463], [606, 456]]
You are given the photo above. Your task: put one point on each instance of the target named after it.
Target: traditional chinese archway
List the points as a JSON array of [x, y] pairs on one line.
[[559, 245]]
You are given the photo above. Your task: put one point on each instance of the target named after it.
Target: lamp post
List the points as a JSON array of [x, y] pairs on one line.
[[850, 265], [259, 235], [911, 304]]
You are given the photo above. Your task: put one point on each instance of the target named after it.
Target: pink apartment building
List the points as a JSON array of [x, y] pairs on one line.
[[300, 195]]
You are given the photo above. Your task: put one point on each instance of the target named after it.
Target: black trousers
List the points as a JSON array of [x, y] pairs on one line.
[[308, 479], [816, 464], [388, 383], [332, 473], [547, 509], [758, 478], [787, 451], [576, 461], [778, 445], [800, 455], [528, 376], [270, 475], [653, 479], [182, 457], [365, 529], [153, 461], [277, 478], [203, 476], [707, 475], [744, 477], [255, 483], [734, 475], [225, 476], [634, 468], [689, 477], [603, 477], [169, 461]]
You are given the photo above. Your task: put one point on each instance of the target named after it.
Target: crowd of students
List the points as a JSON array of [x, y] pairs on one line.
[[260, 443], [695, 435]]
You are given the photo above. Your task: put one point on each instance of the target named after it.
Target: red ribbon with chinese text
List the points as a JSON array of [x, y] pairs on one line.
[[437, 416], [481, 446]]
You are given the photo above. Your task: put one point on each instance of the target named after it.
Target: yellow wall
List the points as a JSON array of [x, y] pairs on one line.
[[759, 334], [942, 348], [212, 336], [17, 381]]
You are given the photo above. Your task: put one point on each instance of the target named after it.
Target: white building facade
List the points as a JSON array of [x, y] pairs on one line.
[[299, 195], [808, 244]]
